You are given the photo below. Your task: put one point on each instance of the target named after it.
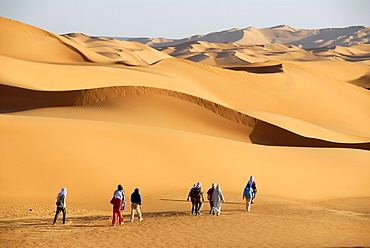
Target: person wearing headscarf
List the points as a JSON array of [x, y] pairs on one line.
[[198, 198], [250, 192], [209, 196], [61, 205], [136, 205], [190, 196], [118, 203], [217, 198]]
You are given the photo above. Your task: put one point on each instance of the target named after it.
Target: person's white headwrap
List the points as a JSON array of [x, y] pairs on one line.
[[118, 194], [251, 180], [195, 185], [64, 192], [199, 184], [213, 185], [218, 187]]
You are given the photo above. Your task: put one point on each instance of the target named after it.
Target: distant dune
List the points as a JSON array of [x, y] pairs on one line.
[[241, 49], [88, 113], [282, 34], [234, 54]]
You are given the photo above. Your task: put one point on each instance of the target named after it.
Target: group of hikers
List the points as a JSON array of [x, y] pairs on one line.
[[214, 196], [119, 202]]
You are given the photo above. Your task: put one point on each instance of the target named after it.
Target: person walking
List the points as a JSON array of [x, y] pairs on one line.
[[249, 193], [136, 205], [117, 202], [254, 187], [217, 198], [61, 205], [209, 196], [198, 198], [190, 196]]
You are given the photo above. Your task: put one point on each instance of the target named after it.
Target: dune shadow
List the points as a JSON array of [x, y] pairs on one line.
[[363, 81], [178, 200], [233, 203], [20, 223], [267, 134], [71, 221], [348, 247], [94, 221], [14, 99], [256, 69]]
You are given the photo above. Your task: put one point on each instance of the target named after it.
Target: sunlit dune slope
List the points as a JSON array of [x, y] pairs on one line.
[[89, 156], [88, 113], [129, 53], [243, 91], [22, 41]]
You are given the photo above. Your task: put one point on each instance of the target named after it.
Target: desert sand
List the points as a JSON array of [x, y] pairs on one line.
[[88, 113]]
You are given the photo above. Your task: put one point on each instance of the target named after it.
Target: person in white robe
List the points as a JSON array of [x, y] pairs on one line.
[[217, 198]]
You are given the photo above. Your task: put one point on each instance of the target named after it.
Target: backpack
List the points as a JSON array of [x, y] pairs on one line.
[[195, 193], [248, 192], [60, 201]]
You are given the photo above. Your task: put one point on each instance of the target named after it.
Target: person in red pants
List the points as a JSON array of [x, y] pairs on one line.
[[117, 205]]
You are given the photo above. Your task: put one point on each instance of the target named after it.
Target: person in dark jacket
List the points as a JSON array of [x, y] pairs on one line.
[[209, 196], [198, 198], [190, 196], [136, 205]]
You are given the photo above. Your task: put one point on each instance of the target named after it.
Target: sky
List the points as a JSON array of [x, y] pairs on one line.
[[180, 18]]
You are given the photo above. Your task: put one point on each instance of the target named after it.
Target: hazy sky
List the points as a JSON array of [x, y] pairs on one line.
[[180, 18]]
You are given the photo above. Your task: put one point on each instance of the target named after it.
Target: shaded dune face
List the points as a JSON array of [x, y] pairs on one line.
[[363, 81], [257, 69], [267, 134], [14, 99]]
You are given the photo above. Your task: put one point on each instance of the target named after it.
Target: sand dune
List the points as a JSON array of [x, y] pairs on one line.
[[129, 53], [282, 34], [88, 113], [25, 42], [234, 54], [279, 43]]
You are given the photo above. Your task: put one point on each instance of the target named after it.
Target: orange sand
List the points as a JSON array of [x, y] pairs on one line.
[[90, 113]]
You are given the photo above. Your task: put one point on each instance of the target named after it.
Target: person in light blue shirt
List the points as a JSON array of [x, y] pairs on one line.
[[250, 192]]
